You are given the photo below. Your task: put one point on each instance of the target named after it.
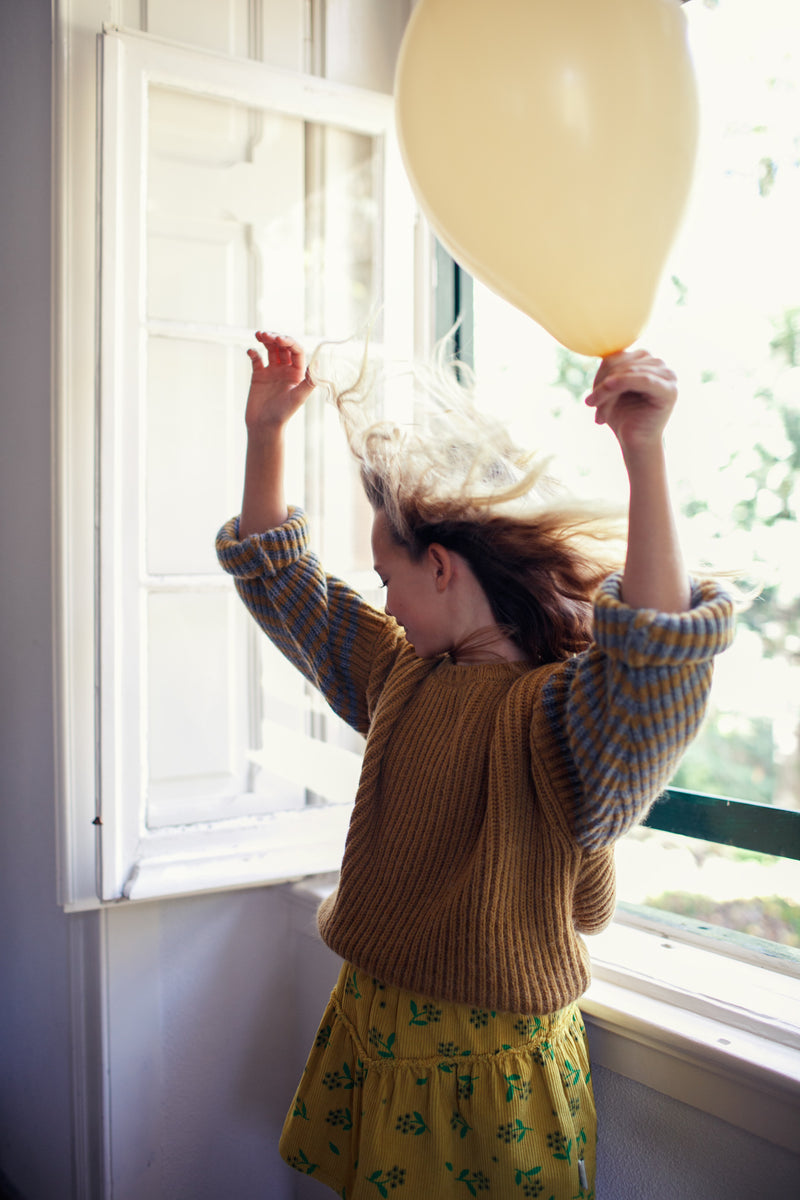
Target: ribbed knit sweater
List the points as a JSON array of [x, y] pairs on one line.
[[490, 797]]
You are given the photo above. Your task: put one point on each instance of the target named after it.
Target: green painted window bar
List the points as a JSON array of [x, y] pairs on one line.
[[739, 823]]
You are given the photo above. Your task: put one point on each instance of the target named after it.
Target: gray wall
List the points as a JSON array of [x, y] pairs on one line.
[[35, 1096], [654, 1148], [198, 1009]]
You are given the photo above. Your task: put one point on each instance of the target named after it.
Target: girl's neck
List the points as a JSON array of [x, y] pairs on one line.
[[488, 645]]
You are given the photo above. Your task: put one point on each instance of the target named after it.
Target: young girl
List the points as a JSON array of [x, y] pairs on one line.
[[522, 709]]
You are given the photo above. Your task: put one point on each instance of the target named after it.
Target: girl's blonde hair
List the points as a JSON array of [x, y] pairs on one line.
[[446, 472]]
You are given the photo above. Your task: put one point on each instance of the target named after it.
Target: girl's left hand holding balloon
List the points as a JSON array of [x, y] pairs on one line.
[[634, 394]]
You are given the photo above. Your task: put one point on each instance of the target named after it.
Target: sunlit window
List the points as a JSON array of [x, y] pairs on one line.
[[727, 318]]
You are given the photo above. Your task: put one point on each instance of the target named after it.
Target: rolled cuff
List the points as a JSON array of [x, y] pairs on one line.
[[261, 555], [645, 637]]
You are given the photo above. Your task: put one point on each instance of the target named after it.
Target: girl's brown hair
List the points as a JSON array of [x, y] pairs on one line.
[[448, 473]]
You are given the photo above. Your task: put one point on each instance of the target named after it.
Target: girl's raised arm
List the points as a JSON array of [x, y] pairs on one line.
[[634, 394], [277, 390]]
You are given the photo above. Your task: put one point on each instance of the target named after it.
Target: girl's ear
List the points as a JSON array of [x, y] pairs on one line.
[[441, 563]]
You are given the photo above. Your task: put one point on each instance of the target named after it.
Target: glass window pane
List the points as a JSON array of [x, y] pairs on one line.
[[344, 242], [254, 219], [188, 688], [226, 190], [758, 894], [727, 318], [195, 451], [221, 26], [190, 128]]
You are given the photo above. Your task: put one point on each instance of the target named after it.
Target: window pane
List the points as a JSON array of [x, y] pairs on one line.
[[221, 26], [254, 220], [194, 453], [757, 894], [344, 248], [727, 318], [191, 708], [226, 193]]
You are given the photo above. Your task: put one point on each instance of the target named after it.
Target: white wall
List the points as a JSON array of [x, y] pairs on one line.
[[199, 1009], [202, 1050]]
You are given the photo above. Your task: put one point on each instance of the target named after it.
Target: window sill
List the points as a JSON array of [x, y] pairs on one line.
[[226, 855], [730, 1046]]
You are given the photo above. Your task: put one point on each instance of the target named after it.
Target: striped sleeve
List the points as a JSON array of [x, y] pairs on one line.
[[626, 710], [327, 630]]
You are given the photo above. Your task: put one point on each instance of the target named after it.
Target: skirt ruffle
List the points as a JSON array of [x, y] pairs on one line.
[[411, 1097]]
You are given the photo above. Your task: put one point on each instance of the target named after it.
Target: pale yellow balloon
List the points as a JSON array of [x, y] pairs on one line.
[[551, 144]]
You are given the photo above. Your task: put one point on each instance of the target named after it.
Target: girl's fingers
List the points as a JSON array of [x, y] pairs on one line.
[[643, 383], [282, 351], [613, 362], [656, 385], [627, 360], [603, 409], [278, 357], [278, 340]]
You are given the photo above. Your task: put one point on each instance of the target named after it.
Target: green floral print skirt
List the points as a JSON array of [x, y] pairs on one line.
[[404, 1096]]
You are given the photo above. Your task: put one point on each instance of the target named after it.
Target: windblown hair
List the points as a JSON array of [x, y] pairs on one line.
[[445, 472]]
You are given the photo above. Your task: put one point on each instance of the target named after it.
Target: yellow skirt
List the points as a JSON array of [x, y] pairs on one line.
[[404, 1096]]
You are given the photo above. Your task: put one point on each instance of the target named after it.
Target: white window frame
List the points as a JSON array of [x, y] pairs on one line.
[[102, 769]]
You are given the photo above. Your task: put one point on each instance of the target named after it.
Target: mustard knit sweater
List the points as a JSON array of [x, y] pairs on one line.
[[481, 841]]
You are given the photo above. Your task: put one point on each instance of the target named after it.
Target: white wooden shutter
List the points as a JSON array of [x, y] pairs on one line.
[[233, 196]]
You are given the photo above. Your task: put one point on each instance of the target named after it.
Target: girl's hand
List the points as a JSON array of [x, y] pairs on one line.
[[279, 388], [634, 394]]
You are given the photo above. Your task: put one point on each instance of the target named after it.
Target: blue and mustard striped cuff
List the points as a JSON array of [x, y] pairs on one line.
[[645, 637], [262, 554]]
